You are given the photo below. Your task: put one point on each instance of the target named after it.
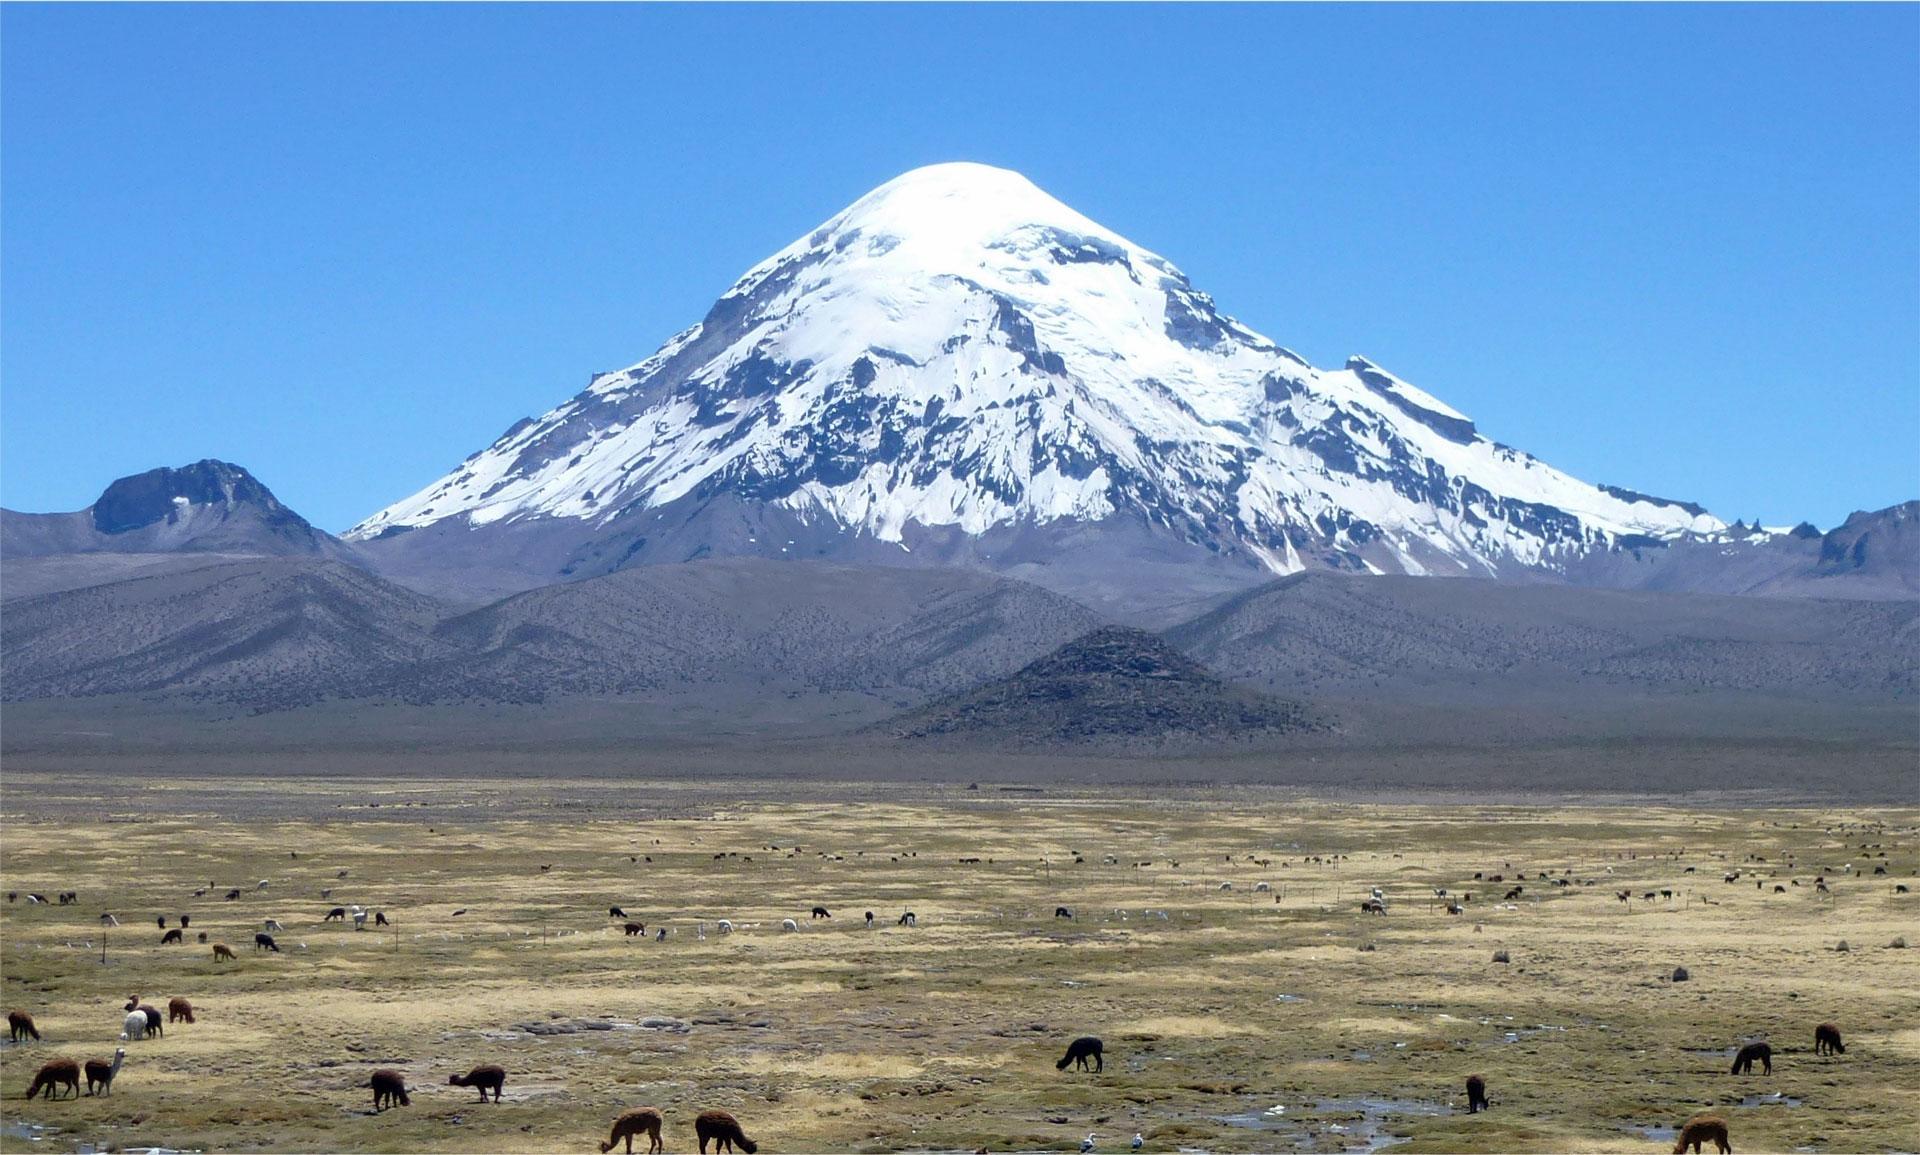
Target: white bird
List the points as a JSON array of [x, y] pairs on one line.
[[1137, 1141], [1086, 1144]]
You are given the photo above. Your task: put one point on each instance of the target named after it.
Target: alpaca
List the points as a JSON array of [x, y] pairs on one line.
[[1700, 1129], [156, 1023], [909, 919], [338, 912], [265, 941], [53, 1075], [820, 912], [634, 928], [1062, 912], [725, 925], [134, 1026], [1476, 1095], [359, 918], [616, 912], [171, 938], [274, 924], [183, 920], [1082, 1049], [485, 1078], [19, 1024], [640, 1121], [161, 921], [1826, 1040], [869, 920], [724, 1130], [102, 1072], [222, 951], [789, 924], [388, 1089], [179, 1010], [1743, 1062], [109, 920], [380, 918]]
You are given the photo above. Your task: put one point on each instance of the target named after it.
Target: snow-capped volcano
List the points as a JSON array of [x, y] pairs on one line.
[[958, 365]]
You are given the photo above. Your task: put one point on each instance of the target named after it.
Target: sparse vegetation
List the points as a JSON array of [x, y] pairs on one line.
[[946, 1034]]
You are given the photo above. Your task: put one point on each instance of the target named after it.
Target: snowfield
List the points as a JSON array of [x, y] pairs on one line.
[[959, 349]]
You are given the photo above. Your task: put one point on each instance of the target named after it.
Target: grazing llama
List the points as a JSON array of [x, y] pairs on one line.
[[1082, 1049], [640, 1121], [1749, 1054], [59, 1072], [1826, 1040], [724, 1130], [222, 952], [487, 1078], [20, 1024], [1700, 1129], [388, 1090], [179, 1011], [1476, 1095]]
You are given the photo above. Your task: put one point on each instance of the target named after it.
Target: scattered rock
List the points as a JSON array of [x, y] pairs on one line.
[[663, 1023]]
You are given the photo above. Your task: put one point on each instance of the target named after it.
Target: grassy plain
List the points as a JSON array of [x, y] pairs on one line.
[[1242, 1020]]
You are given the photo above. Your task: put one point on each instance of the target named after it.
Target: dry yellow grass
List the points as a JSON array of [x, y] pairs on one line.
[[944, 1035]]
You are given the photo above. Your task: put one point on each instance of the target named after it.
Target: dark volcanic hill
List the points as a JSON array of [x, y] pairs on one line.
[[207, 507], [1112, 686]]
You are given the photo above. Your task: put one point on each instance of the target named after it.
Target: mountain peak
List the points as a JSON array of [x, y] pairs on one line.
[[210, 506], [960, 369], [958, 199], [168, 494]]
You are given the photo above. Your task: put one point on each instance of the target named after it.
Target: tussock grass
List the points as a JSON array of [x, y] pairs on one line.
[[944, 1036]]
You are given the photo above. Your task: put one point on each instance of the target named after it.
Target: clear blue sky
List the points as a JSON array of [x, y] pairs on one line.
[[1672, 248]]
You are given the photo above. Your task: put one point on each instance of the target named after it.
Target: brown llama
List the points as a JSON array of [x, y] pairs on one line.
[[634, 928], [1079, 1051], [19, 1024], [388, 1089], [1700, 1129], [1751, 1053], [1826, 1040], [639, 1121], [222, 952], [55, 1074], [1477, 1095], [725, 1132], [179, 1011], [101, 1073], [485, 1078]]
